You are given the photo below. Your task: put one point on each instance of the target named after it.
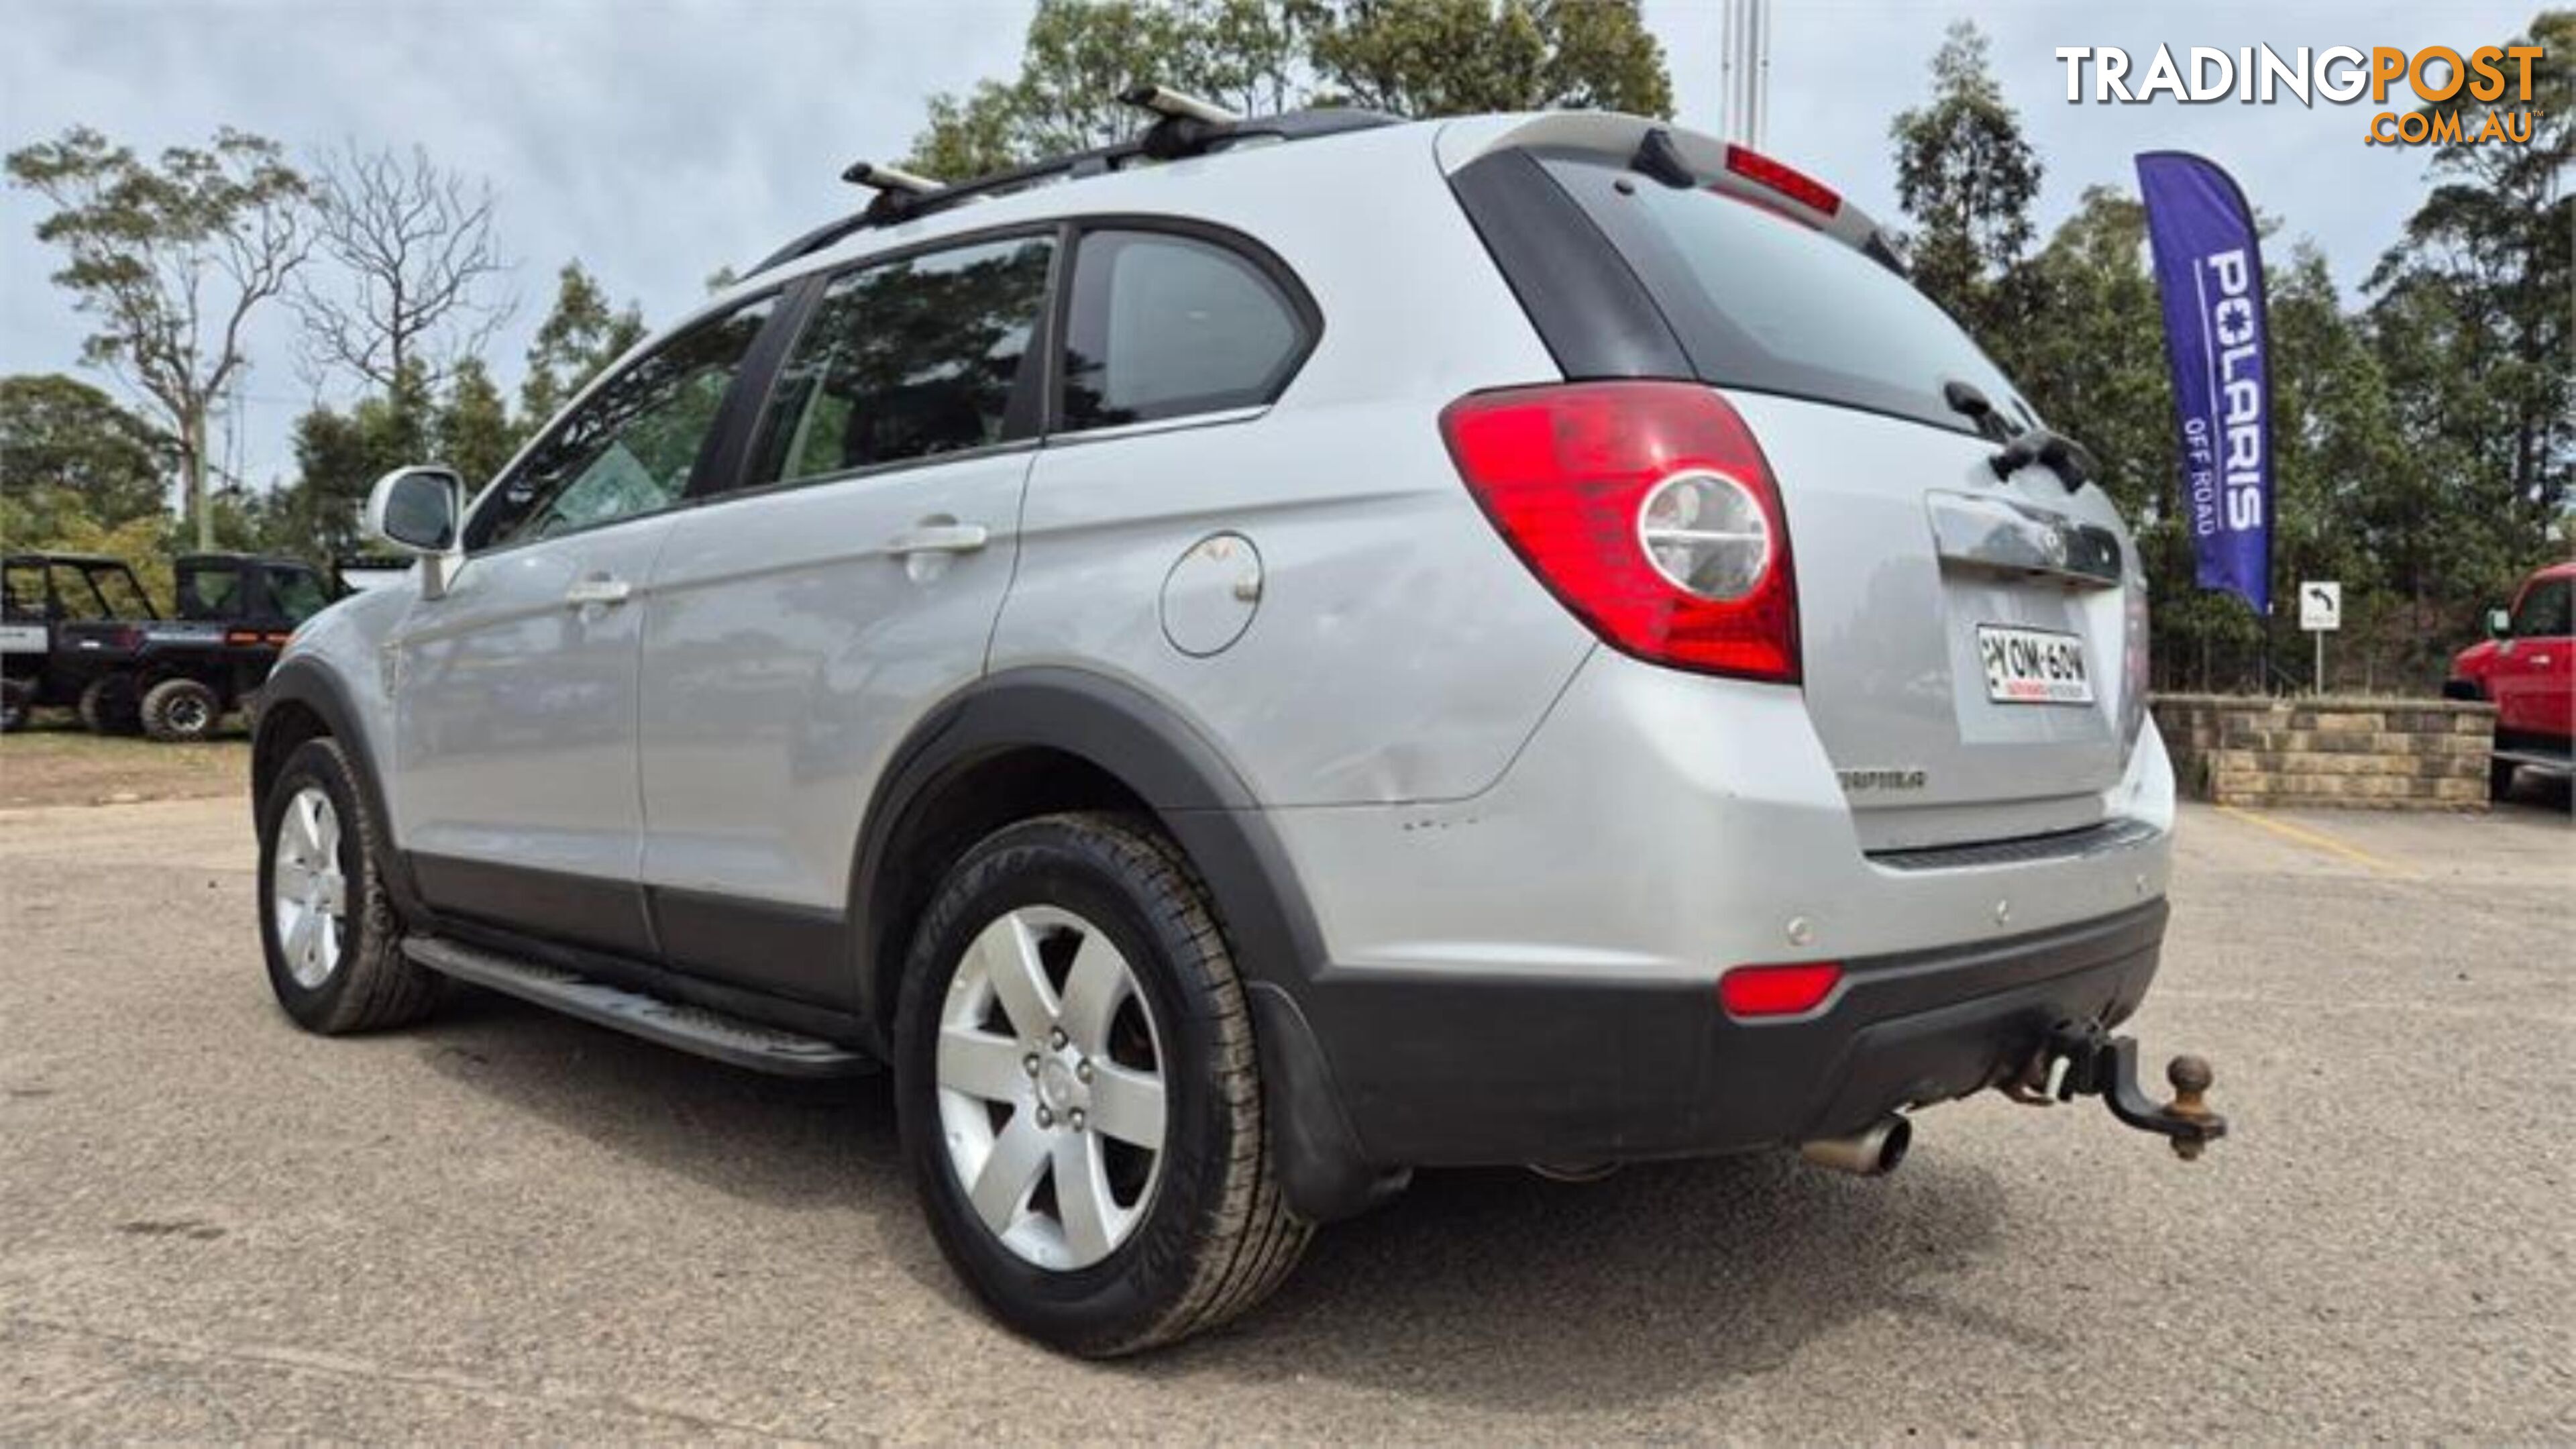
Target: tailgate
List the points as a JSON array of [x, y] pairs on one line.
[[1965, 640]]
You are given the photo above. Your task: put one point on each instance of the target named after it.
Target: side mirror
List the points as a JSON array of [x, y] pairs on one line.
[[416, 510], [2499, 623]]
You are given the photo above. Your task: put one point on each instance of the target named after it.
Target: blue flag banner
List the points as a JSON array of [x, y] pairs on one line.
[[2209, 272]]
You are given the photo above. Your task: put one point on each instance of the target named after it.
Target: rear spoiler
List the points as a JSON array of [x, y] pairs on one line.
[[1677, 157]]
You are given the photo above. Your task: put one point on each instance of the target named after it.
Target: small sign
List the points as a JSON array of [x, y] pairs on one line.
[[2320, 605]]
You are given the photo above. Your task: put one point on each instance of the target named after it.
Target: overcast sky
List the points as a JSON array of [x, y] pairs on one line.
[[659, 139]]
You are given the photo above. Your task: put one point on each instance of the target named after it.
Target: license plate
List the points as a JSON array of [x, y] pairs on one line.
[[2033, 666]]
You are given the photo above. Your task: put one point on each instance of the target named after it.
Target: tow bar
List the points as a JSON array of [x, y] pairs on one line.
[[2099, 1064]]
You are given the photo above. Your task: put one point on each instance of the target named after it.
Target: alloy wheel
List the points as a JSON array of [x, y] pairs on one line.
[[1051, 1088], [308, 893]]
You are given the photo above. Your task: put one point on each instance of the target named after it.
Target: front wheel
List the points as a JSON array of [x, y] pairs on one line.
[[17, 702], [1079, 1094], [326, 922]]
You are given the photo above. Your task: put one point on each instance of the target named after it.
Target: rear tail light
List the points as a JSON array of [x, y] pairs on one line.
[[1648, 510], [1758, 991], [1785, 179]]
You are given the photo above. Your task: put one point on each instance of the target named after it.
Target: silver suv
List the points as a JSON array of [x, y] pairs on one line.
[[1253, 661]]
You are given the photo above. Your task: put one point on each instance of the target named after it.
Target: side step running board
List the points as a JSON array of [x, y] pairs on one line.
[[695, 1029]]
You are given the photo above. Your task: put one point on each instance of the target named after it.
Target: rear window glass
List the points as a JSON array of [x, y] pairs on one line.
[[209, 593], [1768, 304], [1163, 326], [298, 593]]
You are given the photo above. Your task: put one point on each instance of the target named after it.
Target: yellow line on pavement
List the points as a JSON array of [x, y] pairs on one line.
[[2317, 838]]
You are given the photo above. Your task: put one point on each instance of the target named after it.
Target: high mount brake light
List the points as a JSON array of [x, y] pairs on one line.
[[1648, 510], [1794, 990], [1787, 180]]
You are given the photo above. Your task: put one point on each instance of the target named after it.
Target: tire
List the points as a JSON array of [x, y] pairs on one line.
[[109, 707], [181, 711], [1206, 1235], [17, 702], [365, 983], [2500, 778]]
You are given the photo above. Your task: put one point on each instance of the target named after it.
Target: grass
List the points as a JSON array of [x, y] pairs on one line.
[[56, 762]]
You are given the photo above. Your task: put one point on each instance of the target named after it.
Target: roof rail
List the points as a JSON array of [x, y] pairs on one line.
[[1188, 127]]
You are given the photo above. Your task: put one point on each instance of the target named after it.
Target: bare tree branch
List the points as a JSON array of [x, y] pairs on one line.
[[417, 263]]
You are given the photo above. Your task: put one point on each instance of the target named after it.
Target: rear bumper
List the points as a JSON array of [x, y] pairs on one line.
[[1451, 1070]]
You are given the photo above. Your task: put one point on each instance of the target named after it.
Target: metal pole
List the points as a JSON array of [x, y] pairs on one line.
[[1761, 72], [1726, 68]]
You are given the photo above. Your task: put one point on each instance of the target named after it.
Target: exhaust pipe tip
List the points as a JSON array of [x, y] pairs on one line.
[[1874, 1151]]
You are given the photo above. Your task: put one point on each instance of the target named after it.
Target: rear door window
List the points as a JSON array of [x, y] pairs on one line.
[[909, 359], [1162, 326], [1768, 304]]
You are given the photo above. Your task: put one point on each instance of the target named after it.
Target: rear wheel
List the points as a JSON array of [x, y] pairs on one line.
[[1079, 1095], [326, 922], [2500, 778], [109, 706], [17, 701], [180, 711]]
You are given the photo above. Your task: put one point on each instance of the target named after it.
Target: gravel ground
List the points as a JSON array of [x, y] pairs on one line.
[[507, 1226]]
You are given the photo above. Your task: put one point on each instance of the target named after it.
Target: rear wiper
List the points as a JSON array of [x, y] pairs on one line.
[[2022, 446], [2072, 461], [1969, 401]]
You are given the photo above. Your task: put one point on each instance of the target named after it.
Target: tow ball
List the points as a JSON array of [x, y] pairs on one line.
[[2098, 1064]]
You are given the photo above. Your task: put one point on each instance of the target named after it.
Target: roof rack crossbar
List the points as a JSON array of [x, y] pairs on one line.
[[1185, 125], [879, 177]]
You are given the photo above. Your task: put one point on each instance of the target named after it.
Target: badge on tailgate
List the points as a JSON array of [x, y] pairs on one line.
[[2033, 666]]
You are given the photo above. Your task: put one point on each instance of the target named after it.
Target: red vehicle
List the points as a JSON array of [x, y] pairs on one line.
[[2528, 668]]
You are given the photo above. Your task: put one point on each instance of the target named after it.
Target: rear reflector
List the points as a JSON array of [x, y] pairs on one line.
[[1647, 508], [1754, 991], [1787, 180]]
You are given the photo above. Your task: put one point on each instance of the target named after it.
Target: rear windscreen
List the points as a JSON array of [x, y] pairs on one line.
[[1768, 304]]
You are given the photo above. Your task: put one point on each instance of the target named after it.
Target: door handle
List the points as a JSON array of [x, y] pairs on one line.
[[598, 589], [939, 538]]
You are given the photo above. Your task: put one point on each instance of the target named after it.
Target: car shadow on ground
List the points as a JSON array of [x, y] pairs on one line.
[[1538, 1296], [2539, 790], [1527, 1294]]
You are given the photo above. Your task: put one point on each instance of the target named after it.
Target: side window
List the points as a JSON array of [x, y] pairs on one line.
[[22, 592], [296, 593], [2544, 611], [76, 594], [907, 359], [209, 593], [630, 447], [1163, 326]]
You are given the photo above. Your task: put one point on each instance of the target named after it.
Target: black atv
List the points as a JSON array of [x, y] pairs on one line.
[[44, 599], [91, 640]]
